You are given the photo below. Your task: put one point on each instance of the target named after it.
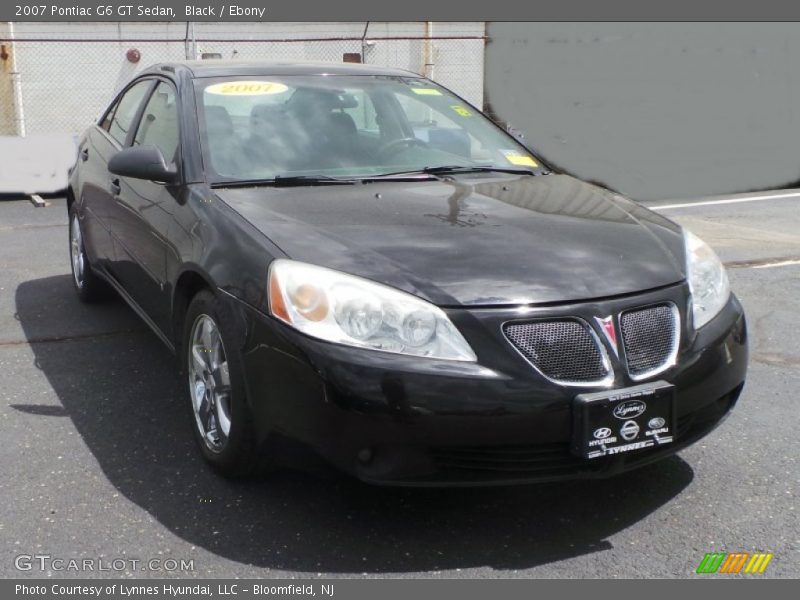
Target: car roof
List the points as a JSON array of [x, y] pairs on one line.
[[225, 68]]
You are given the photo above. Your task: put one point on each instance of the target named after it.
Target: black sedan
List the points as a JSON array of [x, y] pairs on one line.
[[354, 264]]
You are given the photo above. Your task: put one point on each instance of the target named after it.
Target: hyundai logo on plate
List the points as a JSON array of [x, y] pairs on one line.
[[602, 433], [629, 409], [656, 423]]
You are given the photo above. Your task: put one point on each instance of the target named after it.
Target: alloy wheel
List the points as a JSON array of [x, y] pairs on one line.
[[209, 383], [76, 251]]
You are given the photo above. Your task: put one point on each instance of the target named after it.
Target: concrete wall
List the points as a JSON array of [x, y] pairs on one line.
[[655, 110]]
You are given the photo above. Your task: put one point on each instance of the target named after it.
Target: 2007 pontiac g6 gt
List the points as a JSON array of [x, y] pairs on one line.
[[355, 264]]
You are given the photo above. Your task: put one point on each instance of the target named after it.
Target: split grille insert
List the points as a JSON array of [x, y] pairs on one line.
[[650, 336], [568, 351], [565, 351]]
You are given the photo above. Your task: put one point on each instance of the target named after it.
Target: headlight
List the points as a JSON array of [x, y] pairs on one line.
[[708, 281], [341, 308]]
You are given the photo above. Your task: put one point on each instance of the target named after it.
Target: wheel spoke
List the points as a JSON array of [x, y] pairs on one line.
[[212, 433], [197, 390], [206, 334], [222, 378], [205, 412], [222, 411], [199, 359], [215, 350]]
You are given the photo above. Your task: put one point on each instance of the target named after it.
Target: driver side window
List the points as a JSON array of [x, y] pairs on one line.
[[119, 125], [159, 123]]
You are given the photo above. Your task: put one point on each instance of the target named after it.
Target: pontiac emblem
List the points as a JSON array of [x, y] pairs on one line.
[[607, 327]]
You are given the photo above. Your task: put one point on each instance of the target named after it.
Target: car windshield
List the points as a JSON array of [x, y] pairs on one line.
[[261, 128]]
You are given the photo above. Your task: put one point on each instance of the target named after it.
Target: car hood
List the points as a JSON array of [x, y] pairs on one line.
[[482, 241]]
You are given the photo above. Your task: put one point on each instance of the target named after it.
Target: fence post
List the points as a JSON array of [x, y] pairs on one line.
[[190, 43], [16, 86]]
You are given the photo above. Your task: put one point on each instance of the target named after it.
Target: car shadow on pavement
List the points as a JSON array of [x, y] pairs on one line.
[[119, 386]]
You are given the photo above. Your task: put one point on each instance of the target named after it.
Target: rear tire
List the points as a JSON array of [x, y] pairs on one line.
[[211, 364], [89, 287]]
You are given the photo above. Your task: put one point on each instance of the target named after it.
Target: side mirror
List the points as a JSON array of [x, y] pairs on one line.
[[142, 162]]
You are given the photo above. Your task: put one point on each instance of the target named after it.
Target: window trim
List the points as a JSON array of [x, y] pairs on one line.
[[108, 115], [140, 113], [115, 104]]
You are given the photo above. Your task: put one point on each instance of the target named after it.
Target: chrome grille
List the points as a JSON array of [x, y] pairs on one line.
[[565, 351], [650, 337]]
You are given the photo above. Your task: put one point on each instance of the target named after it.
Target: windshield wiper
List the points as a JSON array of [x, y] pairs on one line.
[[447, 169], [297, 180], [286, 181], [412, 174]]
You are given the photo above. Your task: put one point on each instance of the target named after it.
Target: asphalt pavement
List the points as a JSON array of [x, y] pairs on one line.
[[97, 460]]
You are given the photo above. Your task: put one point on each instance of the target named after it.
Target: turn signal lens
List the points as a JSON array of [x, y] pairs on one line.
[[276, 304], [310, 301]]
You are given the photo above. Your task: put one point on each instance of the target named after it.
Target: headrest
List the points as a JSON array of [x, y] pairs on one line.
[[218, 121], [343, 123]]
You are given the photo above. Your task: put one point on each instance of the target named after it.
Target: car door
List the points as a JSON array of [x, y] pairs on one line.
[[95, 150], [145, 209]]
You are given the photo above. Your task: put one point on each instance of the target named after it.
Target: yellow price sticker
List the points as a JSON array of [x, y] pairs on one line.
[[461, 110], [522, 160], [426, 91], [247, 88]]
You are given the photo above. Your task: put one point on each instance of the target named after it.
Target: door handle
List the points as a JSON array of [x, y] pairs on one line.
[[115, 188], [85, 154]]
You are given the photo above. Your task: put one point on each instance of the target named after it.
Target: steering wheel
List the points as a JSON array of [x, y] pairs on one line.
[[395, 145]]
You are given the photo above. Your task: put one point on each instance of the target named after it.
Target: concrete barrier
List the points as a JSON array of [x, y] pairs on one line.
[[35, 164]]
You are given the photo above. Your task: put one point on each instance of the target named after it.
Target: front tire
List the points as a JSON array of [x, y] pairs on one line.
[[221, 418], [89, 287]]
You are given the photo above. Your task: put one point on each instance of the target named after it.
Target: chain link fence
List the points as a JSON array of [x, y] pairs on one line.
[[59, 81]]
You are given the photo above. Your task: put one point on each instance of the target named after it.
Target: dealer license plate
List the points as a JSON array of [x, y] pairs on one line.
[[624, 420]]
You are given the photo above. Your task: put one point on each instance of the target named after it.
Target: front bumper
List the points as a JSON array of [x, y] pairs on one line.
[[398, 420]]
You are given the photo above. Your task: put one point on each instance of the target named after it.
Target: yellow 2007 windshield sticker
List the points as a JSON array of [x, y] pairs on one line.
[[461, 110], [246, 88], [519, 159], [426, 91]]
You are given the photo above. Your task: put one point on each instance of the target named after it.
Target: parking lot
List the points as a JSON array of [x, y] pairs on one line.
[[97, 459]]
